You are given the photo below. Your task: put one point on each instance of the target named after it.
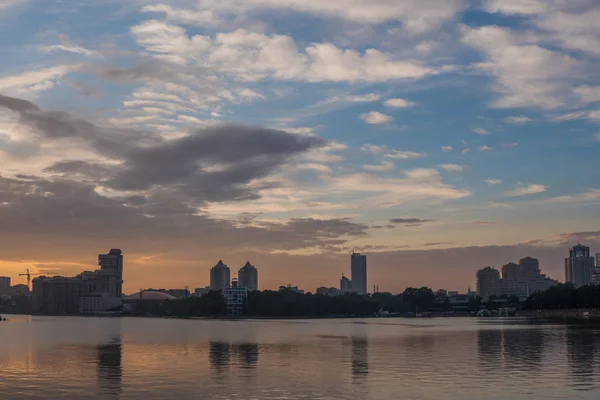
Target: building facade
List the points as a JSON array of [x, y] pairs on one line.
[[520, 280], [358, 271], [4, 286], [235, 298], [87, 291], [345, 284], [220, 276], [331, 291], [579, 266], [248, 277]]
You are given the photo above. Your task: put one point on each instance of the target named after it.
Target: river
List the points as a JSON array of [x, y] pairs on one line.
[[143, 358]]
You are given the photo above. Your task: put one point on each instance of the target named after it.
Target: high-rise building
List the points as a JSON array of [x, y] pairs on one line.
[[220, 276], [345, 284], [530, 267], [248, 277], [488, 282], [4, 285], [579, 266], [111, 269], [358, 271], [511, 271]]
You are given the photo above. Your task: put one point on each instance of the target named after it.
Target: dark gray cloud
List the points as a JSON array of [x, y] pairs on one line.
[[212, 164], [410, 221]]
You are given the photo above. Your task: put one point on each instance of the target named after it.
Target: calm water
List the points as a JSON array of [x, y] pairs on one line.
[[122, 358]]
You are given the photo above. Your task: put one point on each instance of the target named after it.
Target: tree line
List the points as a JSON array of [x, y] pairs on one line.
[[563, 296]]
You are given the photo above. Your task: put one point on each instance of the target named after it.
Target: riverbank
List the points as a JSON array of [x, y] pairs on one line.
[[563, 314]]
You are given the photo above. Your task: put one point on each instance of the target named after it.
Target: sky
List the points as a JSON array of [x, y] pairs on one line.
[[436, 137]]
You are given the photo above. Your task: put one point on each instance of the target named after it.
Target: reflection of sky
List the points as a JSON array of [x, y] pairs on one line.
[[367, 359]]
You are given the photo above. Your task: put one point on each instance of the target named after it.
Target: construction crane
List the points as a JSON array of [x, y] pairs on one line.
[[29, 275]]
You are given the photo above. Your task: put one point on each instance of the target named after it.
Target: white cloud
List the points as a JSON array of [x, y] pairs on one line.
[[570, 116], [398, 103], [591, 196], [452, 167], [493, 181], [384, 166], [588, 94], [597, 136], [594, 115], [5, 4], [31, 83], [202, 18], [516, 6], [527, 190], [510, 144], [315, 167], [481, 131], [484, 148], [365, 98], [376, 118], [251, 56], [465, 151], [527, 74], [521, 119], [447, 148], [384, 151]]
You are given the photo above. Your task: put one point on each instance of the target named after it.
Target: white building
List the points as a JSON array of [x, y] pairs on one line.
[[235, 297], [358, 271], [220, 276], [98, 303], [248, 277]]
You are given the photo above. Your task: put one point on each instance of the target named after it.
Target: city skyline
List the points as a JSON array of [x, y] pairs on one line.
[[436, 137]]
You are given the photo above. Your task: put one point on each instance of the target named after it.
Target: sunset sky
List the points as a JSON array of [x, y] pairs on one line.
[[436, 137]]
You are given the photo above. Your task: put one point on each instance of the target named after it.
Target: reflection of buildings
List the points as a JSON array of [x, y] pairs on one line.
[[110, 370], [520, 280], [489, 345], [360, 353], [247, 354], [89, 292], [579, 266], [219, 356], [522, 347], [582, 344]]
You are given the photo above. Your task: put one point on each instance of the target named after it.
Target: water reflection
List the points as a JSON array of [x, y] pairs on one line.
[[582, 344], [360, 363], [489, 345], [219, 355], [247, 354], [110, 369], [522, 349]]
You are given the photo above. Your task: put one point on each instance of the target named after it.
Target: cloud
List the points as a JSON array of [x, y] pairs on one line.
[[6, 4], [527, 74], [398, 103], [202, 18], [591, 196], [521, 119], [364, 98], [493, 181], [452, 167], [384, 151], [527, 190], [588, 94], [484, 148], [597, 136], [410, 221], [447, 148], [510, 144], [481, 131], [376, 118], [570, 116], [384, 166], [465, 151], [31, 83]]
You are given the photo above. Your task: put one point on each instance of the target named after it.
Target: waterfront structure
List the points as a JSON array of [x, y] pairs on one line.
[[520, 280], [90, 291], [459, 302], [4, 286], [235, 298], [220, 276], [248, 277], [579, 266], [358, 271], [345, 284]]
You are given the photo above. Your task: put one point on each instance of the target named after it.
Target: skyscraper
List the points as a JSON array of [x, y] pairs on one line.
[[579, 266], [248, 277], [111, 269], [358, 270], [220, 276], [345, 284]]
